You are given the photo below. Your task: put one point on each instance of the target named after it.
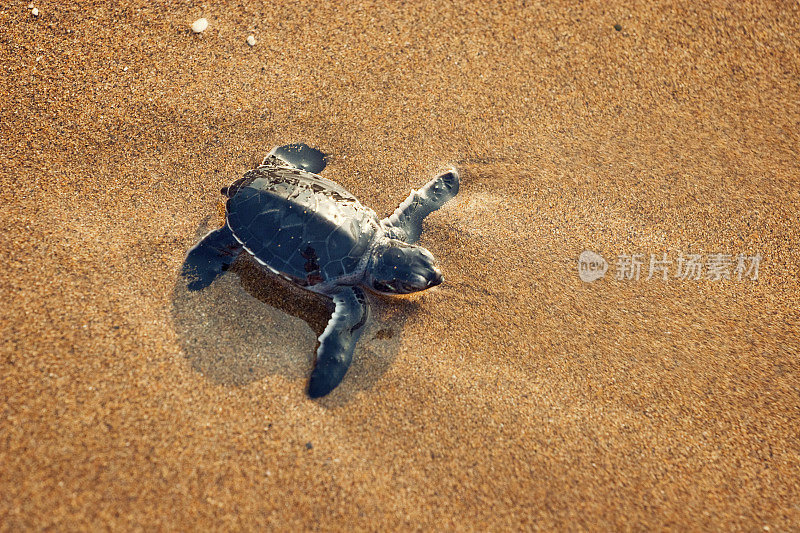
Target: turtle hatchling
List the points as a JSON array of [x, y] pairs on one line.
[[314, 233]]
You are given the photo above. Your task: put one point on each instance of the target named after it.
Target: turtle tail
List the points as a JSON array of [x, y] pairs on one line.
[[210, 258], [241, 183]]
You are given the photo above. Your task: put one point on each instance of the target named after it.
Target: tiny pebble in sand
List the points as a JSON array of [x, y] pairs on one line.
[[251, 40], [35, 12], [199, 25]]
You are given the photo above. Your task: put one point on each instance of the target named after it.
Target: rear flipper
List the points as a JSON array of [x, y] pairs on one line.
[[338, 341], [298, 155], [405, 223], [210, 258]]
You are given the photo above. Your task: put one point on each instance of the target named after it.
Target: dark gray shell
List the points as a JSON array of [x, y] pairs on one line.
[[300, 224]]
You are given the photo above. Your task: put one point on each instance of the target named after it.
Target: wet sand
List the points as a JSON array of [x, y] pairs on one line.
[[514, 395]]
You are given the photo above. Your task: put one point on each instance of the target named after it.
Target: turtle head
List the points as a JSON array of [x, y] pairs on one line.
[[400, 268]]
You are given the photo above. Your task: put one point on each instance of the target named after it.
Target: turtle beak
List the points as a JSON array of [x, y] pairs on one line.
[[437, 279]]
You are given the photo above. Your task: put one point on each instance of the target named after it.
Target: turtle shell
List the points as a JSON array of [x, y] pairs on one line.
[[300, 225]]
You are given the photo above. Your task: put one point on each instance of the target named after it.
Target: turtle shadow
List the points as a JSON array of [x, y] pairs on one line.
[[249, 324]]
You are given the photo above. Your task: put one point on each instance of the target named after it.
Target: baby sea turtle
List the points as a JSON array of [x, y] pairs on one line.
[[313, 232]]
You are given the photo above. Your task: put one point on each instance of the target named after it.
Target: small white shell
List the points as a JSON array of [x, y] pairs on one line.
[[199, 25]]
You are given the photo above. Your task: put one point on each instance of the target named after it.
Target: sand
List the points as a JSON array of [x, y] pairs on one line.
[[514, 395]]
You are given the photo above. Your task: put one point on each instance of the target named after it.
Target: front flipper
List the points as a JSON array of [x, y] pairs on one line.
[[405, 223], [299, 156], [338, 341], [209, 258]]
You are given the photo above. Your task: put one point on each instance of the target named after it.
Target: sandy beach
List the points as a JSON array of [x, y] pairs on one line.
[[513, 396]]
